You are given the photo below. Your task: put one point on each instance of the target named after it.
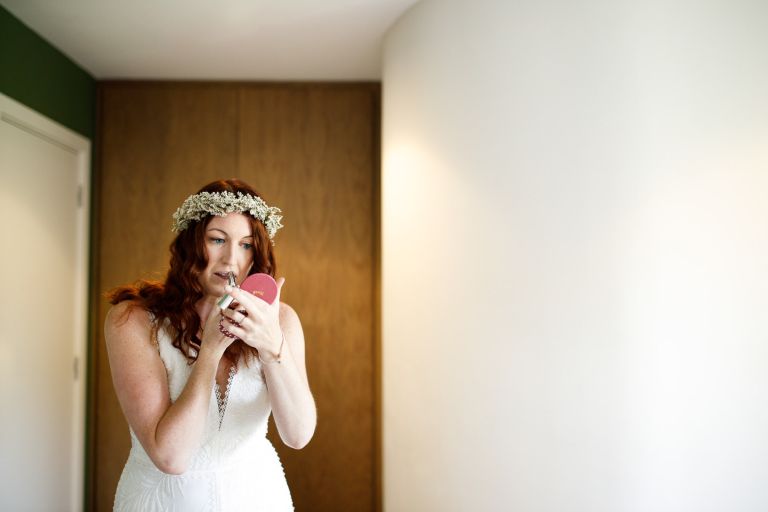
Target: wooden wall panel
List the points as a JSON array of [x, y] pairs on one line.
[[311, 149]]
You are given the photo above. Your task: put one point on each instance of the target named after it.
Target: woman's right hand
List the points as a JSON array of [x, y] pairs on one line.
[[213, 341]]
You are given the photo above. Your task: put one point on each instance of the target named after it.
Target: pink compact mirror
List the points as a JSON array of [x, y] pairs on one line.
[[262, 286]]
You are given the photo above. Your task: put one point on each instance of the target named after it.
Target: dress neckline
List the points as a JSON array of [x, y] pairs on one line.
[[221, 401]]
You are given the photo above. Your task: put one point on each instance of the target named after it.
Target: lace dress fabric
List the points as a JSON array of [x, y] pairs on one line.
[[236, 467]]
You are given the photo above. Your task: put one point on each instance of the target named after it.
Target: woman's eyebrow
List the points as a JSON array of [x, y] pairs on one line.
[[227, 234]]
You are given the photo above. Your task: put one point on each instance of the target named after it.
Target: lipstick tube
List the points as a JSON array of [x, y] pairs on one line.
[[227, 299]]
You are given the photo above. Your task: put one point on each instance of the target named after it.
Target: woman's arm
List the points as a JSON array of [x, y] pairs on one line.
[[292, 403], [169, 432], [263, 328]]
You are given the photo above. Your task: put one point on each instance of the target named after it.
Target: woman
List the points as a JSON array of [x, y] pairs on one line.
[[197, 384]]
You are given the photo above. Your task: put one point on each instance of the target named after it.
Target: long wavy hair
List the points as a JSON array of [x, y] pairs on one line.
[[174, 300]]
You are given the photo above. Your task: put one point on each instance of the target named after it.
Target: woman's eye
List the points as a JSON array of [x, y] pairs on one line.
[[217, 240], [248, 246]]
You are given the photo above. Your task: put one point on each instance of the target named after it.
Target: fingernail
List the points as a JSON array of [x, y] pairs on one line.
[[228, 288]]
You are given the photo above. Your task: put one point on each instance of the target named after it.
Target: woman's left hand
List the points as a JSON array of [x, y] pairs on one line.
[[254, 321]]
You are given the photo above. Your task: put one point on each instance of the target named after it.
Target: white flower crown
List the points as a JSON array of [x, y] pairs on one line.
[[197, 206]]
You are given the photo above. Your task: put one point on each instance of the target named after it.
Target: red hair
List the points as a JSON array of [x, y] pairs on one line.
[[174, 300]]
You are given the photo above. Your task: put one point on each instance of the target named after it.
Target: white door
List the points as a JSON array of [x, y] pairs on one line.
[[43, 275]]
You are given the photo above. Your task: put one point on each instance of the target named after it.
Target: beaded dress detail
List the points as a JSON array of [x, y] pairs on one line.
[[236, 468], [221, 401]]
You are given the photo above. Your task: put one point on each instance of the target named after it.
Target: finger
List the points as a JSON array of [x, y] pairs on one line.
[[255, 307], [226, 331], [213, 335], [235, 315], [235, 306], [243, 298], [234, 332], [249, 336], [212, 318], [237, 319]]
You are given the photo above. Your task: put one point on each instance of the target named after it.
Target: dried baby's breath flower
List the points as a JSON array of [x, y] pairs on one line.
[[198, 206]]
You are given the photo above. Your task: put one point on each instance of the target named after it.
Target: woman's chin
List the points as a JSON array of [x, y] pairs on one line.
[[214, 292]]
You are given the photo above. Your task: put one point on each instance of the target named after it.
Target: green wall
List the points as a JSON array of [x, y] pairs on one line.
[[38, 75]]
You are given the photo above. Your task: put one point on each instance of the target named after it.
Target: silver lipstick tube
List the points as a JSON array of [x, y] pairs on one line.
[[227, 299]]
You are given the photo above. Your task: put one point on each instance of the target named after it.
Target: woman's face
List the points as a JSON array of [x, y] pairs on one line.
[[229, 246]]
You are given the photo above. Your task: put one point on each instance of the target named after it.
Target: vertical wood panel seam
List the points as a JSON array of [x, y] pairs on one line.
[[376, 302]]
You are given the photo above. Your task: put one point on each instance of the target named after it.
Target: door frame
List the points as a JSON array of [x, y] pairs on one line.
[[24, 118]]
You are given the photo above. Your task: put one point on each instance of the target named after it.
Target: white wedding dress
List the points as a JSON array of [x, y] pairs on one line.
[[236, 468]]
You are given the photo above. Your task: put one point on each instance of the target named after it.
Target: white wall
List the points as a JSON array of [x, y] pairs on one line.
[[575, 256]]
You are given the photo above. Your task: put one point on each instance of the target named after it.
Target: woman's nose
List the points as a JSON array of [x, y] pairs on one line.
[[229, 254]]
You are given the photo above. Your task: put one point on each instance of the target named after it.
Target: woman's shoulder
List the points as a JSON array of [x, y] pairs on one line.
[[288, 314], [127, 318]]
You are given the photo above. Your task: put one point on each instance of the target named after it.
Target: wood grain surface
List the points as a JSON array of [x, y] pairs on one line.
[[312, 150]]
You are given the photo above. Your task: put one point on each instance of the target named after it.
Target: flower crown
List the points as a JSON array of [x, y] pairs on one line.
[[197, 206]]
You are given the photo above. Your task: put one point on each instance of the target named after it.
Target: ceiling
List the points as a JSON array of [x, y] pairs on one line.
[[224, 40]]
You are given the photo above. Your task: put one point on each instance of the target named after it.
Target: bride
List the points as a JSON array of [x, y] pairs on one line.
[[197, 383]]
